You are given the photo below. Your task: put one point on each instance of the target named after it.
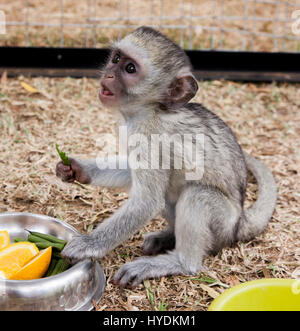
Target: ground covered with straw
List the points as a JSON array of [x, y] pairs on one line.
[[266, 120]]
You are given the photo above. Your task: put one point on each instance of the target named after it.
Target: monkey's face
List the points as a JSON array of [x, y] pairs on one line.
[[121, 74], [146, 69]]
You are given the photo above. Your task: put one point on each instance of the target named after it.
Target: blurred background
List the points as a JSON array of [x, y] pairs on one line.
[[251, 25]]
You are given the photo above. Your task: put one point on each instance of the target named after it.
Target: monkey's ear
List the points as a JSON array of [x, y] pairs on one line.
[[180, 92]]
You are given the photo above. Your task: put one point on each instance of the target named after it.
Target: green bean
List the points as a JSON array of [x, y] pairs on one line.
[[56, 254], [43, 243], [33, 238], [63, 156], [51, 267], [46, 244], [48, 237], [57, 267], [64, 266], [61, 266]]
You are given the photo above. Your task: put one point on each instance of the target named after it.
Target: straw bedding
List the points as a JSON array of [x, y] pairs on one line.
[[266, 120]]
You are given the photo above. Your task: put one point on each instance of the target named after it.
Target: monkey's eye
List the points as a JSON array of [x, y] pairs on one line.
[[130, 68], [116, 58]]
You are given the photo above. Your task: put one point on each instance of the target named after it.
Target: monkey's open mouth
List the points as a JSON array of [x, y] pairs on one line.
[[106, 91]]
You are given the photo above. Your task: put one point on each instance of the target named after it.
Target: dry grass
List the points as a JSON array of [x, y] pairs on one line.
[[266, 120]]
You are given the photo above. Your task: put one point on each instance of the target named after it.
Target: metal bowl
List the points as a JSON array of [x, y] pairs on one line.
[[74, 289]]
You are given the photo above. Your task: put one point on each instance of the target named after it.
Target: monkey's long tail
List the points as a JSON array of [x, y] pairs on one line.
[[259, 214]]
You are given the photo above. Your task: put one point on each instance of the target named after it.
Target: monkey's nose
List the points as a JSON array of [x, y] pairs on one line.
[[111, 76]]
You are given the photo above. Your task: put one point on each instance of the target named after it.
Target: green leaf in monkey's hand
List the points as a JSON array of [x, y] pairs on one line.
[[63, 156]]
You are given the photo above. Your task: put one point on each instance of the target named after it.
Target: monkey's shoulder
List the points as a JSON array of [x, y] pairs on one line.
[[194, 116], [191, 109], [198, 109], [198, 115]]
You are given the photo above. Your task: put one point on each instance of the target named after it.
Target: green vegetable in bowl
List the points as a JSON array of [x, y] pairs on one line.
[[63, 156], [47, 237]]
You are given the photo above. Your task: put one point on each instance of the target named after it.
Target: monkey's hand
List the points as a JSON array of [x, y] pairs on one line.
[[82, 247], [72, 172]]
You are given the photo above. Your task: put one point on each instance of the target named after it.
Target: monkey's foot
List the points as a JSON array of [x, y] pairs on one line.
[[148, 267], [81, 247], [158, 242], [135, 271]]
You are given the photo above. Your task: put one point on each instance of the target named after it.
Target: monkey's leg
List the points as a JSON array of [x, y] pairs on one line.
[[205, 221], [158, 242]]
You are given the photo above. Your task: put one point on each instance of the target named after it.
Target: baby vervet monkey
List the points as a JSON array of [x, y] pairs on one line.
[[148, 80]]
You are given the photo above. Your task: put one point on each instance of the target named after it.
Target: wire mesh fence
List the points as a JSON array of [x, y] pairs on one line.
[[242, 25]]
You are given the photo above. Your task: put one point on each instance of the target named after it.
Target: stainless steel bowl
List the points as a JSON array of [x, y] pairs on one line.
[[74, 289]]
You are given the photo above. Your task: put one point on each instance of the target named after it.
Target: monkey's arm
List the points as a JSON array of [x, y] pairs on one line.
[[107, 172], [146, 201], [110, 172]]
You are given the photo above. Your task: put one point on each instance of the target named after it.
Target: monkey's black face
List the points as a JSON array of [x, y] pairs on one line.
[[121, 74]]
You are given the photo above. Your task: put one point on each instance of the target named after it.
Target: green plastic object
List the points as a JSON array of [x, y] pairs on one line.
[[260, 295]]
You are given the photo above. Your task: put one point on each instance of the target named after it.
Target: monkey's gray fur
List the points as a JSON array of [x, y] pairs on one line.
[[203, 215]]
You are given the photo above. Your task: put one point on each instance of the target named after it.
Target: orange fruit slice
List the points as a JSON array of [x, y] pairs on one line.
[[4, 239], [14, 256], [35, 268]]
